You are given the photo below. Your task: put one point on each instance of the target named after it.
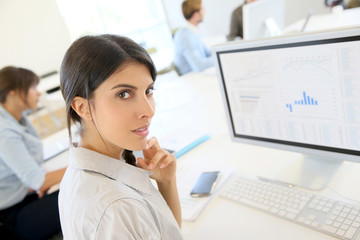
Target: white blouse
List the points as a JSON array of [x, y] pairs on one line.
[[105, 198]]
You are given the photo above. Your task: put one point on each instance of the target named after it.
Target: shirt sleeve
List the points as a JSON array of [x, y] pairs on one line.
[[197, 61], [128, 219], [16, 156]]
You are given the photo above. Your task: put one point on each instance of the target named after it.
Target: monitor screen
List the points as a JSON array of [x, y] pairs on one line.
[[263, 18], [299, 93]]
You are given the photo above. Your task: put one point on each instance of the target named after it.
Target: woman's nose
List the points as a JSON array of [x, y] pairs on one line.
[[147, 108]]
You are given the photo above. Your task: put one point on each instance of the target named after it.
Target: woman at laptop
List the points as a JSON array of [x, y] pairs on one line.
[[106, 193], [26, 211]]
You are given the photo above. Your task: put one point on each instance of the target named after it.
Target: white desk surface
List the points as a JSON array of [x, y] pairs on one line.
[[194, 100]]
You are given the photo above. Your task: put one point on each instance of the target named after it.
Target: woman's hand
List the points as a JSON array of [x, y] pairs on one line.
[[163, 166], [51, 178], [159, 161]]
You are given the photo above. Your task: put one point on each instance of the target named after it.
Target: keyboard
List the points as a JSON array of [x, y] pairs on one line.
[[333, 217]]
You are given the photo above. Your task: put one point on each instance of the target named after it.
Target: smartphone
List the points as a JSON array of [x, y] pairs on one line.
[[205, 184]]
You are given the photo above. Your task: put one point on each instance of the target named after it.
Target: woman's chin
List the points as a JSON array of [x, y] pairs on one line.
[[33, 107], [138, 147]]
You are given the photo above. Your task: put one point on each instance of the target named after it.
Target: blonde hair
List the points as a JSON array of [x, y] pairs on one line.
[[189, 7]]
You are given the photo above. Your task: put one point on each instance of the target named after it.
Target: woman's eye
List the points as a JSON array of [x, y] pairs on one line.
[[149, 91], [124, 95]]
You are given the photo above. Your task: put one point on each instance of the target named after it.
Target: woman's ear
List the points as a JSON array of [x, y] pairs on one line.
[[12, 93], [81, 107], [15, 96]]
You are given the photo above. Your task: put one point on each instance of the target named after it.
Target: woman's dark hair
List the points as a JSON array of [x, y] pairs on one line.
[[91, 60], [16, 79]]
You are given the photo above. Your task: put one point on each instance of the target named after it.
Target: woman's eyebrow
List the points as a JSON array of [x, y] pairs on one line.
[[129, 86], [124, 85]]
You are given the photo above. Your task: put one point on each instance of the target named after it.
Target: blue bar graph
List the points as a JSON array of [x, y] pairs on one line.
[[305, 101], [289, 106]]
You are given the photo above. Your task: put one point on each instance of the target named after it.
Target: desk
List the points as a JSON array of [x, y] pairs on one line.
[[51, 116], [194, 100]]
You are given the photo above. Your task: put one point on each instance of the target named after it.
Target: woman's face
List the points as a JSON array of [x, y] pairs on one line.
[[33, 97], [123, 106]]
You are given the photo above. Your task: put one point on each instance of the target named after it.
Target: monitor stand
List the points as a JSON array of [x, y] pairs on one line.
[[311, 172]]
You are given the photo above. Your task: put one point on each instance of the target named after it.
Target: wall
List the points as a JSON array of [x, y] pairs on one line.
[[33, 35], [218, 13]]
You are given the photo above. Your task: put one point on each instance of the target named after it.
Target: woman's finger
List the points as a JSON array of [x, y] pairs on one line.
[[159, 155], [152, 142], [169, 159], [141, 163]]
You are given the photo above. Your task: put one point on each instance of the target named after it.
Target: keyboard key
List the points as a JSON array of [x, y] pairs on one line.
[[354, 212], [301, 219], [315, 224], [311, 217], [336, 224], [329, 222], [254, 204], [274, 210], [356, 224], [344, 227], [329, 229], [350, 233], [290, 215], [307, 222], [340, 232]]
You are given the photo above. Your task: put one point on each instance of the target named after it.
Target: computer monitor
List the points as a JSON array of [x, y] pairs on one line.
[[297, 93], [263, 18]]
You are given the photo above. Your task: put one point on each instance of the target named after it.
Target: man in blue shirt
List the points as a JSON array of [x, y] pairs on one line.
[[190, 53]]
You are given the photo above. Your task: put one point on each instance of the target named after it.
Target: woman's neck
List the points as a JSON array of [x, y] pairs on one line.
[[15, 111], [91, 139]]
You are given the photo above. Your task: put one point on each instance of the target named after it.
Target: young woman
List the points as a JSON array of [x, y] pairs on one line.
[[26, 211], [107, 82]]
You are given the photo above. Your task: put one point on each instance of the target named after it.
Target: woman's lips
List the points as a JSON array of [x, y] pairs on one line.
[[144, 131]]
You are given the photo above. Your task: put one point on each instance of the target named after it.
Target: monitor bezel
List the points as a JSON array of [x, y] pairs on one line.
[[296, 40]]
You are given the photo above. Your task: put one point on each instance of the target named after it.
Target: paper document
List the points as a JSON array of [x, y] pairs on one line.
[[192, 207], [182, 140]]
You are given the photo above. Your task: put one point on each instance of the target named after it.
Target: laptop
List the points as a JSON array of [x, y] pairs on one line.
[[53, 149]]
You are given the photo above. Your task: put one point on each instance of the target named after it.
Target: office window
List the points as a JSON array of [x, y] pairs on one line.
[[144, 21]]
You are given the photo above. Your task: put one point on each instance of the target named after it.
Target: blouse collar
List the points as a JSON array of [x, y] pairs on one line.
[[135, 177]]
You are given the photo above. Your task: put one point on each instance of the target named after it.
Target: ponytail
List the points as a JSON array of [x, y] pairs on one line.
[[129, 157]]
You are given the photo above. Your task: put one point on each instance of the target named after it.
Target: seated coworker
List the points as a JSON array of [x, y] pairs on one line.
[[349, 4], [190, 53], [333, 3], [106, 193], [352, 4], [26, 211], [236, 24]]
